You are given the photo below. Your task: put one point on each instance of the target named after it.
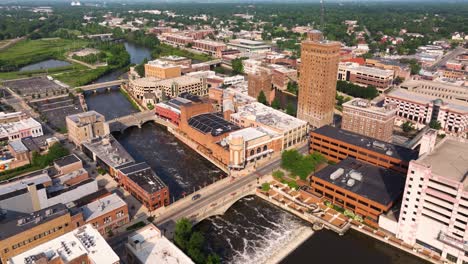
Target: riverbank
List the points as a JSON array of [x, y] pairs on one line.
[[299, 236]]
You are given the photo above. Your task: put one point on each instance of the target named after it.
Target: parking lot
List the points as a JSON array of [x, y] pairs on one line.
[[54, 110], [36, 87]]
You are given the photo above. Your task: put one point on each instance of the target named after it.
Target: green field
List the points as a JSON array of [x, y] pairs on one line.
[[26, 74], [80, 77], [33, 51]]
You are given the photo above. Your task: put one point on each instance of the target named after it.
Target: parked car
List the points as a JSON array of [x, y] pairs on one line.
[[196, 197]]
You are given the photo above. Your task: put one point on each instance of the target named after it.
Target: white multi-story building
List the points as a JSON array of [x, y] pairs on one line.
[[233, 80], [21, 129], [437, 89], [434, 211], [422, 109]]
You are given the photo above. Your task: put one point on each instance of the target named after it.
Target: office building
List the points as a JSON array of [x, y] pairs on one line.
[[434, 211], [210, 47], [162, 69], [366, 118], [317, 82], [444, 91], [83, 245], [292, 130], [148, 245], [421, 109], [364, 189], [337, 144], [249, 46], [365, 76], [85, 126]]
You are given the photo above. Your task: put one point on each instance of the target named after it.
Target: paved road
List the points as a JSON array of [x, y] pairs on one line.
[[242, 182], [449, 56]]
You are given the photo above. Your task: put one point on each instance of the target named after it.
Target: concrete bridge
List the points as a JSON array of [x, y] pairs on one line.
[[137, 119], [95, 86]]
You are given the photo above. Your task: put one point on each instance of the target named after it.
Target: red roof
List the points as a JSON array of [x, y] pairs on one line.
[[360, 61]]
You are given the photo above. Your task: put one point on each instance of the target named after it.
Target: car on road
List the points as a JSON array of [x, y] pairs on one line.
[[196, 197]]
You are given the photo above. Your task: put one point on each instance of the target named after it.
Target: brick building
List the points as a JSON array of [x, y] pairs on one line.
[[260, 81], [337, 144], [366, 118], [143, 183], [170, 110], [366, 190], [365, 76], [317, 82], [209, 47]]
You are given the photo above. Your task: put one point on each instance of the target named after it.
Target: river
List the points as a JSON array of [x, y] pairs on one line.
[[181, 168], [253, 231]]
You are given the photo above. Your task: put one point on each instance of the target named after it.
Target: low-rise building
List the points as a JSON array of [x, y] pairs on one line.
[[365, 76], [148, 245], [83, 245], [20, 129], [143, 183], [261, 81], [176, 39], [365, 189], [6, 118], [210, 47], [337, 144], [106, 214], [366, 118], [399, 69], [162, 69], [421, 109], [22, 232], [249, 46], [292, 130], [177, 60], [86, 126], [434, 211], [170, 110]]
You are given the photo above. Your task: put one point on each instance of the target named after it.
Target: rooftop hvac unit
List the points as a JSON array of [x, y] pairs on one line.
[[379, 145], [350, 182], [335, 175], [356, 175]]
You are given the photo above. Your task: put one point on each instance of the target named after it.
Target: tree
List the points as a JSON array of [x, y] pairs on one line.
[[265, 187], [276, 104], [140, 68], [407, 126], [434, 124], [237, 66], [290, 109], [292, 87], [262, 98], [195, 246], [182, 233], [213, 259]]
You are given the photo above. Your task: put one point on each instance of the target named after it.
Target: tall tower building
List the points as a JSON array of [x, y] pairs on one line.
[[317, 82]]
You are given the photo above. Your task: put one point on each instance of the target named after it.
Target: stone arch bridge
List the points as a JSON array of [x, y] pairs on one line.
[[137, 119]]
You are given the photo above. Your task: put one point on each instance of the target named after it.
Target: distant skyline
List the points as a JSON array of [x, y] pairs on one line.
[[231, 1]]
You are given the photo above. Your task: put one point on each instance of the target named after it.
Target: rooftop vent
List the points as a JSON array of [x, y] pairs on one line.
[[336, 174], [379, 145], [350, 182]]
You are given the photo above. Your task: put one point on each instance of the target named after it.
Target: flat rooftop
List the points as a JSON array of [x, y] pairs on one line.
[[449, 159], [363, 104], [213, 123], [251, 133], [369, 143], [377, 184], [22, 183], [406, 95], [12, 227], [268, 116], [109, 151], [67, 160], [150, 246], [84, 240], [143, 176], [102, 206], [76, 118]]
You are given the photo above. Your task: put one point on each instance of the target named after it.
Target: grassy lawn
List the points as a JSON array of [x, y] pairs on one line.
[[26, 74], [80, 76], [32, 51], [166, 50]]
